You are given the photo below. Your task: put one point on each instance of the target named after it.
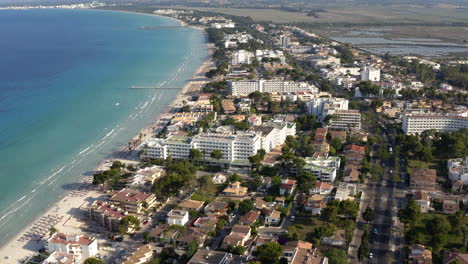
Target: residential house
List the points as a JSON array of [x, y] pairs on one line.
[[355, 148], [259, 203], [345, 191], [157, 233], [216, 208], [423, 179], [287, 186], [208, 256], [206, 223], [83, 246], [315, 203], [249, 218], [234, 190], [322, 188], [422, 199], [62, 258], [177, 217], [450, 206], [192, 234], [144, 178], [455, 258], [351, 175], [457, 186], [238, 236], [273, 218], [138, 254], [300, 252], [228, 106], [338, 239], [338, 134], [191, 205], [419, 255], [219, 178]]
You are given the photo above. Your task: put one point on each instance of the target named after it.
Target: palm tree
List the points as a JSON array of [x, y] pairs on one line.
[[217, 154]]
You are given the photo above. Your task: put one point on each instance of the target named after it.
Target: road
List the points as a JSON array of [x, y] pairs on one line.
[[386, 232]]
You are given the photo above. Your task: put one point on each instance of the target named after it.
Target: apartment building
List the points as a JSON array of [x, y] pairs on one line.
[[414, 123], [321, 106], [458, 170], [243, 88], [270, 54], [324, 169], [323, 61], [242, 57], [106, 214], [133, 201], [370, 74], [345, 119], [274, 134], [82, 246]]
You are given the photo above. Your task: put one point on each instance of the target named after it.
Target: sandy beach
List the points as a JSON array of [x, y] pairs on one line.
[[68, 214]]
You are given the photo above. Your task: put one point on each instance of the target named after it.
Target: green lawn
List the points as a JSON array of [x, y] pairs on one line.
[[205, 198]]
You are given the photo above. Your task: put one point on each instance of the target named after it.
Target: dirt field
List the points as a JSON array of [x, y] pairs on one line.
[[354, 14]]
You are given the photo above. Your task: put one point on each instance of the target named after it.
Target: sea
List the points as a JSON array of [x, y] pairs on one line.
[[65, 97]]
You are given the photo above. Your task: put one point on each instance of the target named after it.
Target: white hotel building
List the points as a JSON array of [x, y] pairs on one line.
[[414, 123], [243, 88], [236, 148]]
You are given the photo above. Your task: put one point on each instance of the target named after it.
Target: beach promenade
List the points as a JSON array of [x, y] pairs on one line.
[[68, 214]]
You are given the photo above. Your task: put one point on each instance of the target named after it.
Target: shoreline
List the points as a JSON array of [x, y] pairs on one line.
[[64, 213]]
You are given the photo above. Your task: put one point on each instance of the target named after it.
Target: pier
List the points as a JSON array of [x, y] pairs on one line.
[[153, 87], [161, 27]]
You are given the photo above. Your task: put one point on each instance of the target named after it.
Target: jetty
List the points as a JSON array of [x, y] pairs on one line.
[[152, 87]]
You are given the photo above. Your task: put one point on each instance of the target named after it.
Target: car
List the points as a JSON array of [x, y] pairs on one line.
[[292, 217], [119, 239], [145, 222], [371, 255], [375, 231]]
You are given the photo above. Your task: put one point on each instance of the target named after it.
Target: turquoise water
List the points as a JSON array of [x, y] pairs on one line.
[[65, 102]]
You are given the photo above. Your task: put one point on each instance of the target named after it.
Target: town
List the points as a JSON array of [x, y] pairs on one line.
[[291, 149]]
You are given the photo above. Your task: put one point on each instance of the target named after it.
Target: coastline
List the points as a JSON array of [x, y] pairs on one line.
[[66, 213]]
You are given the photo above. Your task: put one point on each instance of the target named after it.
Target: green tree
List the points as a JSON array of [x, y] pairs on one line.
[[368, 214], [238, 250], [93, 261], [411, 214], [216, 154], [129, 222], [192, 248], [268, 253], [336, 256], [207, 187], [245, 206], [195, 154], [325, 231], [336, 143]]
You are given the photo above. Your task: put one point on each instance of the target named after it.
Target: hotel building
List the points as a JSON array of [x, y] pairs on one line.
[[414, 123], [243, 88]]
